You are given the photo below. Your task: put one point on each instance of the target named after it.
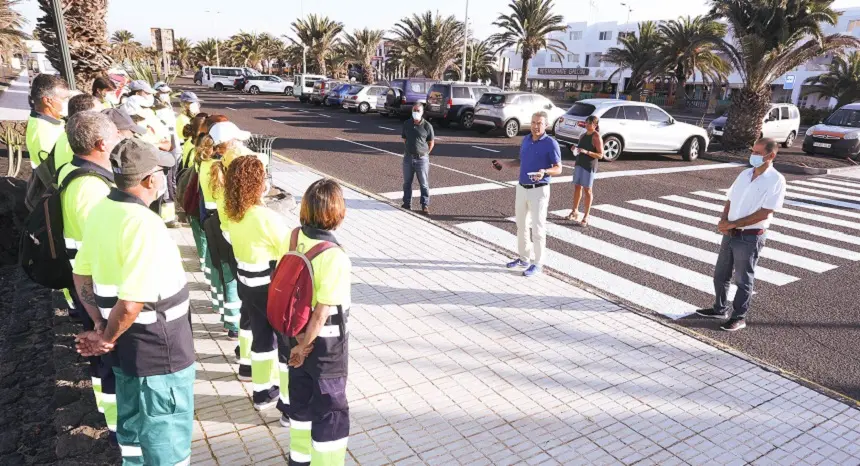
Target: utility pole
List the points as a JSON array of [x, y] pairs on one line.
[[304, 59], [63, 43], [215, 28], [465, 42], [621, 71]]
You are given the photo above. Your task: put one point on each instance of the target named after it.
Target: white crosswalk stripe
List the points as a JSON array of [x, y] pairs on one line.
[[836, 182], [826, 186], [821, 192], [613, 239]]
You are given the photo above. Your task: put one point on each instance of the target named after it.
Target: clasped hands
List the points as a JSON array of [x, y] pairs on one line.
[[92, 342]]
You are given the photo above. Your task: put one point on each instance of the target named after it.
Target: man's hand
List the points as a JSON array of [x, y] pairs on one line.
[[724, 226], [100, 326], [298, 355], [92, 344]]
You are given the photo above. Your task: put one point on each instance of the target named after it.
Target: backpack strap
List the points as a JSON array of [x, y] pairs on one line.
[[79, 172], [319, 249], [294, 239]]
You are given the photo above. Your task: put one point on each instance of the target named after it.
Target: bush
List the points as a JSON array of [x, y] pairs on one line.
[[811, 116]]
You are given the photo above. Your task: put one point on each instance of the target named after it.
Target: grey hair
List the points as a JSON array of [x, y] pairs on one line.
[[541, 114], [46, 85], [86, 129], [770, 145]]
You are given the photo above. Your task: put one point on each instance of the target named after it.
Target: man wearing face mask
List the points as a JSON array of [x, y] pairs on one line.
[[140, 103], [190, 107], [164, 112], [105, 91], [129, 272], [753, 198], [418, 136], [50, 96]]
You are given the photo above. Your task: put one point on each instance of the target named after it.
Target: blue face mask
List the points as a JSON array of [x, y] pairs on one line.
[[756, 160]]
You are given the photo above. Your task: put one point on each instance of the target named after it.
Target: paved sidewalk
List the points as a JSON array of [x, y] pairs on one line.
[[14, 105], [455, 360]]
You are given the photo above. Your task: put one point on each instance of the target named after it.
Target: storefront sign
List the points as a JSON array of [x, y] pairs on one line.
[[563, 71]]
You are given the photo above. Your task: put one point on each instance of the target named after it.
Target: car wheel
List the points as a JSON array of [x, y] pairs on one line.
[[467, 120], [789, 141], [612, 148], [219, 87], [692, 149], [288, 91], [255, 90], [364, 107], [483, 129], [512, 128]]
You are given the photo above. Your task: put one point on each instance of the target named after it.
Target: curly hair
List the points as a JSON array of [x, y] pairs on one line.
[[246, 179], [195, 126]]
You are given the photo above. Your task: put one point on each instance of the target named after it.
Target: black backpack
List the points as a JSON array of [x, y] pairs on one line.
[[42, 248], [41, 180]]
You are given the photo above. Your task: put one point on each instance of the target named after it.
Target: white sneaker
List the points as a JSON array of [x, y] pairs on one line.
[[285, 421], [266, 405]]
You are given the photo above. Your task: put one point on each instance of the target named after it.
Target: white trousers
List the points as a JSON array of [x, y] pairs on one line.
[[531, 210]]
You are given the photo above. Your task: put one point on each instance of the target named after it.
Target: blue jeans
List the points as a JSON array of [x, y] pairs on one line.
[[412, 167], [738, 257], [583, 177]]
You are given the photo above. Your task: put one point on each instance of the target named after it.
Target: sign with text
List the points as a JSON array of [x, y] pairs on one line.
[[162, 39], [789, 82], [563, 71]]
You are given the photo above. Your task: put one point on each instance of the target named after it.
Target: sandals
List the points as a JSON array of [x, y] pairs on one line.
[[573, 216]]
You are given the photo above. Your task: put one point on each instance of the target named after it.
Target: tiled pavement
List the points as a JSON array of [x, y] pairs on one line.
[[454, 360]]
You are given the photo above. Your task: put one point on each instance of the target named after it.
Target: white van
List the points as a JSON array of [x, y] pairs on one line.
[[224, 77], [782, 123], [305, 85]]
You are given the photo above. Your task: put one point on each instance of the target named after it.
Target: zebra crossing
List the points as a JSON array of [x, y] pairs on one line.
[[815, 233]]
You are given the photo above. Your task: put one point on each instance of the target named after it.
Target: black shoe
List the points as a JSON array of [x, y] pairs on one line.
[[237, 352], [406, 206], [734, 324], [425, 210], [711, 313], [232, 335]]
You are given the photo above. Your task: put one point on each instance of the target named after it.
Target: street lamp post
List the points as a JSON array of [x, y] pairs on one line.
[[63, 43], [465, 41], [215, 27], [621, 71], [304, 59]]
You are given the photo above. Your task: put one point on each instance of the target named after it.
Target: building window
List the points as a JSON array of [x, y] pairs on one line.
[[554, 58], [575, 35], [573, 58], [605, 35]]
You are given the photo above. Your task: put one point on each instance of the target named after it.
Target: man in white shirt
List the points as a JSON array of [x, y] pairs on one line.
[[753, 198]]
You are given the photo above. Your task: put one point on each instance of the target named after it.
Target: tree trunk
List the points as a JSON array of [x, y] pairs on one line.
[[367, 69], [744, 121], [321, 65], [525, 72], [680, 94]]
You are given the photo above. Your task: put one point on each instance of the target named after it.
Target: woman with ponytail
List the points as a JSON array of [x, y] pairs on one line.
[[587, 152], [260, 239]]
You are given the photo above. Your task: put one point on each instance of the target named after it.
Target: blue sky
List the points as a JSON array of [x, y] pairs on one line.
[[188, 17]]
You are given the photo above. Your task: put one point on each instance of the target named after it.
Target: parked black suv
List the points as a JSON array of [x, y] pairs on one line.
[[452, 102]]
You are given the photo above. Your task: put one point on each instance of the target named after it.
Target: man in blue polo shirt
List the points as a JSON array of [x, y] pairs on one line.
[[540, 159]]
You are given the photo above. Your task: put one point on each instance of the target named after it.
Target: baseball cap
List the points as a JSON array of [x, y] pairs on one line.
[[138, 158], [141, 85], [132, 105], [161, 86], [227, 131], [188, 96], [123, 121]]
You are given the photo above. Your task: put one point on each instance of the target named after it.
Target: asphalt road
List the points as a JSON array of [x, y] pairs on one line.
[[651, 252]]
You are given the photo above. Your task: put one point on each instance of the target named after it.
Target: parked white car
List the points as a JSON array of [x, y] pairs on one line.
[[305, 85], [364, 99], [268, 83], [628, 126], [223, 77], [782, 123], [512, 112]]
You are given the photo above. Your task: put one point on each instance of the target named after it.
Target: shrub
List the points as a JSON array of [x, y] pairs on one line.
[[811, 116]]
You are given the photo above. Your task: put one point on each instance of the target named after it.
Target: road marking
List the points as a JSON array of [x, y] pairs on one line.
[[771, 235], [798, 213], [687, 277], [685, 250], [714, 237], [287, 108], [488, 150], [827, 186], [323, 114], [635, 293], [469, 188], [240, 97], [304, 111], [352, 121], [389, 129], [500, 183], [267, 103], [231, 108], [836, 182], [663, 171], [824, 193], [276, 121], [848, 205]]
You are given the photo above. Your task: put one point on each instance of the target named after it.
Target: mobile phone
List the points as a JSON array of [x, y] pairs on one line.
[[497, 165]]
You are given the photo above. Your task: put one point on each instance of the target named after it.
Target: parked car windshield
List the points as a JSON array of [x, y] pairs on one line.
[[355, 89], [492, 99], [844, 117], [581, 110], [399, 84]]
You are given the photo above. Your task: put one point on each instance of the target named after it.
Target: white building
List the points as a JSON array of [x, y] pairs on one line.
[[581, 68]]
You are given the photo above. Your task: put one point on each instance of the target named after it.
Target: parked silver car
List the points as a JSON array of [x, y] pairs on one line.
[[365, 99], [512, 112]]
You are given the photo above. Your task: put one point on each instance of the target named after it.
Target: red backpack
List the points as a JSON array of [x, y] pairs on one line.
[[292, 289]]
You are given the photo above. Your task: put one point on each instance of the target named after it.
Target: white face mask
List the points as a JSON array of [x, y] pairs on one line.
[[64, 110], [111, 98], [194, 108], [163, 189], [165, 97], [417, 115], [147, 100]]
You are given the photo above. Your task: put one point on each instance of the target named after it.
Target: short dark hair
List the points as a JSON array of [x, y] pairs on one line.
[[770, 145], [323, 206], [81, 103], [46, 85], [102, 83]]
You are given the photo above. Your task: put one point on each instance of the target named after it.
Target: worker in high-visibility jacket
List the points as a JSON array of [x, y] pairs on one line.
[[189, 108], [105, 91], [164, 111]]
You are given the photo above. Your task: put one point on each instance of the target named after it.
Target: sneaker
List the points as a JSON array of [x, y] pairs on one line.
[[425, 210], [244, 373], [406, 206], [710, 313], [173, 224], [285, 421], [236, 352], [517, 263], [266, 404], [232, 335], [532, 270], [733, 325]]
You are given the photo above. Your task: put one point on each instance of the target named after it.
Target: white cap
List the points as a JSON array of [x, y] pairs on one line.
[[226, 132], [132, 105]]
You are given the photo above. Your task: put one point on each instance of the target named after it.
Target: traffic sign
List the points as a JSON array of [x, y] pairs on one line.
[[788, 84]]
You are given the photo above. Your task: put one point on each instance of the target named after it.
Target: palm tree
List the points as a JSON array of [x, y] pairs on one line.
[[527, 29], [248, 48], [205, 51], [770, 39], [429, 43], [182, 53], [87, 33], [360, 47], [124, 47], [11, 25], [480, 61], [638, 53], [337, 62], [319, 34], [689, 45], [840, 82]]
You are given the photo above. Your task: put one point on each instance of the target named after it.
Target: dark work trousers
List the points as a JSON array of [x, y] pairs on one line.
[[319, 418], [416, 167], [101, 374], [269, 352], [738, 257]]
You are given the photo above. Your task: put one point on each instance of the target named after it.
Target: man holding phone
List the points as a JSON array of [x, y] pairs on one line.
[[540, 159]]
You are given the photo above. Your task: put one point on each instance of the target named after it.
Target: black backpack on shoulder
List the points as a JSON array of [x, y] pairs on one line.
[[42, 248]]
